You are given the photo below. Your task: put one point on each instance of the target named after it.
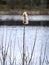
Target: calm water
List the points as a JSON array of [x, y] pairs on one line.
[[14, 35], [20, 17]]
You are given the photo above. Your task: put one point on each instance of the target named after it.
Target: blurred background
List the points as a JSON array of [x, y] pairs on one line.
[[25, 4], [20, 5]]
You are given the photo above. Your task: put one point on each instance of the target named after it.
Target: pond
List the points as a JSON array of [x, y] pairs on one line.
[[13, 35], [20, 17]]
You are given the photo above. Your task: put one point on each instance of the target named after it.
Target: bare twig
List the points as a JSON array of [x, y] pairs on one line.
[[33, 48], [40, 57], [44, 53], [23, 46], [47, 61]]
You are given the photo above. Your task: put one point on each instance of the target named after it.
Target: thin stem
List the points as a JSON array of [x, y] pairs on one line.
[[23, 46]]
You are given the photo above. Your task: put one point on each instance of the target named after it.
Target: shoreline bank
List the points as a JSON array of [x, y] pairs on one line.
[[19, 12]]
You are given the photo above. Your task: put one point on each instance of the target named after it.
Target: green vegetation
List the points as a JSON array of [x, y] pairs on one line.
[[19, 6], [24, 4]]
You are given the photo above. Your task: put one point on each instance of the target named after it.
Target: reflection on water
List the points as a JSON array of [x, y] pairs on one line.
[[20, 17], [14, 35]]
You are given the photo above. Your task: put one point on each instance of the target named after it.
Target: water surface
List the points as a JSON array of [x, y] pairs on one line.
[[14, 35]]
